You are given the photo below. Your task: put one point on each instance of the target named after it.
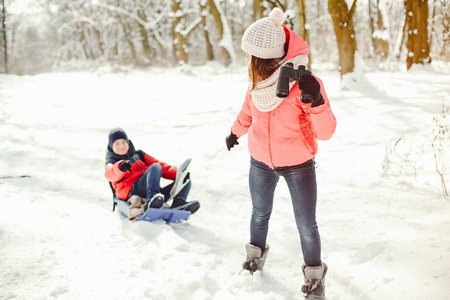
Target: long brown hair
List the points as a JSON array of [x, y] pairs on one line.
[[260, 69]]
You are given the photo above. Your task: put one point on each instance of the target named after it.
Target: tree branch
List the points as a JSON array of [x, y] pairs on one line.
[[352, 11], [147, 25], [191, 27]]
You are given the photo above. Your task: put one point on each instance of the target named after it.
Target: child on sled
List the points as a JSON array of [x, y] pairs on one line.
[[135, 177]]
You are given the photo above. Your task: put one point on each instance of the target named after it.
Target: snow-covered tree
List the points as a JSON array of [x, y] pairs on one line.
[[49, 33]]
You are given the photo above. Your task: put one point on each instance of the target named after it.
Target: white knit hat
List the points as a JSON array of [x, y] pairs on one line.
[[265, 38]]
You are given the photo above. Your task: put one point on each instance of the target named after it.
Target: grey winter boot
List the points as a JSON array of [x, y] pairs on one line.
[[314, 287], [255, 258]]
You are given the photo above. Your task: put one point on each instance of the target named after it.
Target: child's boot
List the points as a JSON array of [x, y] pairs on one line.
[[255, 258], [135, 208], [314, 287], [181, 204], [156, 202]]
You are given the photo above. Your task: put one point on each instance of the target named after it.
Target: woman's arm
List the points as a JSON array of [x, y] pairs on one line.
[[244, 118]]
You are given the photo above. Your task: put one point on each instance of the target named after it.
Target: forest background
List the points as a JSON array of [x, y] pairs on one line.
[[43, 35], [178, 69]]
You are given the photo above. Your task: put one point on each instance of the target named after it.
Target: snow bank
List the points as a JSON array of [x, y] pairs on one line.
[[384, 232]]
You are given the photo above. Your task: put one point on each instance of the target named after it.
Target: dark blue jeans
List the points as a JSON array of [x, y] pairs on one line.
[[148, 185], [301, 181]]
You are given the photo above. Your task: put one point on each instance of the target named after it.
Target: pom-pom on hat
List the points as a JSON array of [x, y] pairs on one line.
[[116, 134], [265, 38]]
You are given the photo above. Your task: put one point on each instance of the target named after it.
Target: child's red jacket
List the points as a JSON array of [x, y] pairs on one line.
[[123, 181]]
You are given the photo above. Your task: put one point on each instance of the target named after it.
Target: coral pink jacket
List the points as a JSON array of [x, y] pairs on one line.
[[286, 136]]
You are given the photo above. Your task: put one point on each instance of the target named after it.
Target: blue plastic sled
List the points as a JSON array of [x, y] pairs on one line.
[[167, 214], [153, 214]]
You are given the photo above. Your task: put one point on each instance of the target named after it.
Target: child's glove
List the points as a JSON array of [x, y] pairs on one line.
[[125, 166], [231, 140], [309, 85]]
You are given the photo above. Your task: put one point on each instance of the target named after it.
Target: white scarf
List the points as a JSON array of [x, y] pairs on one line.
[[264, 96]]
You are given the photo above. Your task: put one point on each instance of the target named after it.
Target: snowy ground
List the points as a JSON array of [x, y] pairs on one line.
[[384, 226]]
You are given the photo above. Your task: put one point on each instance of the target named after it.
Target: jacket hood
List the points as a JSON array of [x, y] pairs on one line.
[[112, 157], [297, 46]]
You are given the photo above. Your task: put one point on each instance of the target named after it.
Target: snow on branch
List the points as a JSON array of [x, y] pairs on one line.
[[191, 27], [227, 39], [147, 25]]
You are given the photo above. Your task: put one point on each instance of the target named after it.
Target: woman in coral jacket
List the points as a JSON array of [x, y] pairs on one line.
[[282, 135], [134, 172]]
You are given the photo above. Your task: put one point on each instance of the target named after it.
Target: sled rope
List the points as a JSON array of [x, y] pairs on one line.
[[222, 148]]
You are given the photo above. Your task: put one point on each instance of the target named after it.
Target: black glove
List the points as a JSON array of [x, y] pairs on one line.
[[125, 166], [309, 85], [231, 140]]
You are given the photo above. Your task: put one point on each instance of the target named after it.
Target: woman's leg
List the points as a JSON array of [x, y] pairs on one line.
[[302, 185], [262, 183]]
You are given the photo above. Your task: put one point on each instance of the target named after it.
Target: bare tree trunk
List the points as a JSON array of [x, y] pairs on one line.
[[98, 36], [115, 51], [379, 42], [258, 10], [226, 53], [127, 30], [209, 48], [303, 30], [84, 42], [345, 34], [144, 34], [162, 48], [418, 41], [180, 40], [4, 40], [320, 28], [404, 36], [433, 24], [446, 30], [216, 15]]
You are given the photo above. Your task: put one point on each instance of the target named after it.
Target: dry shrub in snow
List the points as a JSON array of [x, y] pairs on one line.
[[441, 144]]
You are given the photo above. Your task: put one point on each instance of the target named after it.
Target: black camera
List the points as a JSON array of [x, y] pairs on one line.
[[288, 72]]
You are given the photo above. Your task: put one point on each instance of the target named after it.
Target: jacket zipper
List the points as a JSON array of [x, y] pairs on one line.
[[137, 161], [268, 130]]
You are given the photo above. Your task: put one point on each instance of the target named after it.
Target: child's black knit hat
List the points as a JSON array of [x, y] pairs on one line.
[[116, 134]]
